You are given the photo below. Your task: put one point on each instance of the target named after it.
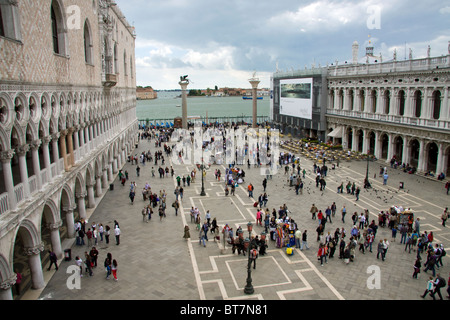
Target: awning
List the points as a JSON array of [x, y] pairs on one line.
[[336, 133]]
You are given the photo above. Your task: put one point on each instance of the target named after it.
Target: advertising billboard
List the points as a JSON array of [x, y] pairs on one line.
[[296, 97]]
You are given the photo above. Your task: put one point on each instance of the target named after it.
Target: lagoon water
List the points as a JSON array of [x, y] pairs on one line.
[[165, 107]]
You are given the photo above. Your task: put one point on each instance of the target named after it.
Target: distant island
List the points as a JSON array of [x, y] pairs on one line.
[[148, 93], [145, 93]]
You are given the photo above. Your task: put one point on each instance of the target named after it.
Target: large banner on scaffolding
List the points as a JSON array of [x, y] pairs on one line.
[[296, 97]]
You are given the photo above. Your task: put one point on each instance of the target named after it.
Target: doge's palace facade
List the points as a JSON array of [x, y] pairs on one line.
[[67, 123], [392, 109]]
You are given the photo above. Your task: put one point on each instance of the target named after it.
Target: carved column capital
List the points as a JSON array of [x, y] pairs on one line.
[[8, 283], [37, 249], [7, 155], [35, 144], [55, 226], [23, 149]]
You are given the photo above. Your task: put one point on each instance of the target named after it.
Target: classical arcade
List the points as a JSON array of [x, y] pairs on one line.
[[67, 125], [393, 109]]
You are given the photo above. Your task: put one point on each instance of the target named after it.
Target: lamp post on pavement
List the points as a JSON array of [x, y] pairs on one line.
[[249, 287], [202, 167]]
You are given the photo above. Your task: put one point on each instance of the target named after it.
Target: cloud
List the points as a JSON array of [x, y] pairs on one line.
[[445, 10], [223, 44], [324, 16]]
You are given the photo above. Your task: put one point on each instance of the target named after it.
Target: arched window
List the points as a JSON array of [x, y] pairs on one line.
[[418, 103], [401, 109], [387, 101], [373, 95], [436, 104], [87, 43], [58, 33]]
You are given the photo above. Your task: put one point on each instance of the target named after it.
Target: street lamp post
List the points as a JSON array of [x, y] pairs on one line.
[[249, 287], [202, 167]]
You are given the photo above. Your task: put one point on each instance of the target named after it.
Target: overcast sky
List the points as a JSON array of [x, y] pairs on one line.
[[221, 43]]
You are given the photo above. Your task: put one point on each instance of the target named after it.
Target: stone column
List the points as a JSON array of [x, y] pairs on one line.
[[406, 150], [90, 194], [46, 153], [36, 166], [62, 143], [440, 159], [6, 288], [55, 138], [254, 82], [366, 141], [21, 152], [110, 172], [70, 155], [354, 139], [98, 185], [76, 143], [390, 147], [445, 106], [81, 204], [408, 103], [81, 139], [114, 165], [357, 104], [5, 157], [86, 137], [35, 264], [377, 151], [394, 109], [56, 238], [70, 221], [184, 84], [105, 177], [427, 104], [421, 164], [368, 100]]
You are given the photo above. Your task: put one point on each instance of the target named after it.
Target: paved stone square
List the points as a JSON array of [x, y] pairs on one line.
[[156, 263]]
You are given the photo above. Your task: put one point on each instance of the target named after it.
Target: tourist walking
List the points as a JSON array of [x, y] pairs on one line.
[[107, 234], [444, 216], [344, 212], [117, 234], [304, 240], [430, 287], [313, 211], [114, 269], [108, 265], [439, 283], [417, 266], [53, 260]]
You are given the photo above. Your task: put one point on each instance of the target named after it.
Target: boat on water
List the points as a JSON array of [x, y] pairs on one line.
[[251, 98]]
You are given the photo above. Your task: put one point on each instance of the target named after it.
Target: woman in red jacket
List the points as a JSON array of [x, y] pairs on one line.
[[322, 254]]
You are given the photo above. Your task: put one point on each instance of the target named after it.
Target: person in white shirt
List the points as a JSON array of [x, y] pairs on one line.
[[117, 234]]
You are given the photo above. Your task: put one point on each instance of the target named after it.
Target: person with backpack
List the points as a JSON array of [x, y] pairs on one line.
[[439, 283], [253, 255], [430, 288]]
